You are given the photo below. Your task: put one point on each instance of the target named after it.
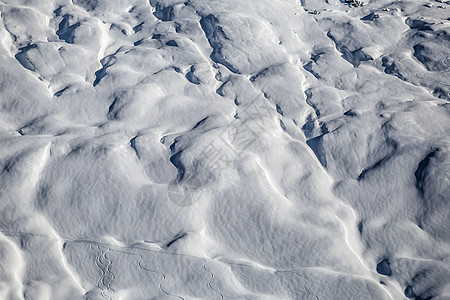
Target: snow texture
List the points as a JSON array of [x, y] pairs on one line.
[[224, 149]]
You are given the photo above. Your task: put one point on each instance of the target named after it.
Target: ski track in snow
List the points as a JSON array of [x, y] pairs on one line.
[[104, 263], [269, 150]]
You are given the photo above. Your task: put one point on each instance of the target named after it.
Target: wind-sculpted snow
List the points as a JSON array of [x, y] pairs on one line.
[[217, 149]]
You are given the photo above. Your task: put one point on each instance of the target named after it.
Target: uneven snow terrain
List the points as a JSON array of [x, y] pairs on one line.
[[224, 149]]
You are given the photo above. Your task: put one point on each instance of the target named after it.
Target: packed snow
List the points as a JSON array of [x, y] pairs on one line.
[[224, 149]]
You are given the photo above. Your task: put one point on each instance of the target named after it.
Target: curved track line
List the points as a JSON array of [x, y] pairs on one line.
[[210, 280], [157, 272], [110, 248], [304, 284], [161, 252], [104, 263]]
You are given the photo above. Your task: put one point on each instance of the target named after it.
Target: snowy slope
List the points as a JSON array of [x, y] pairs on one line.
[[224, 149]]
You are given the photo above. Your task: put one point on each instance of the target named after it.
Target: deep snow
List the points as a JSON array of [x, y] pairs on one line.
[[216, 149]]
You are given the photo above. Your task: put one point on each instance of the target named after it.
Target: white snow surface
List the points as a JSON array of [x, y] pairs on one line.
[[224, 149]]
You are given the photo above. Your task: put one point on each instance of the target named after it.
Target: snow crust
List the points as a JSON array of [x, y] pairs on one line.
[[171, 149]]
